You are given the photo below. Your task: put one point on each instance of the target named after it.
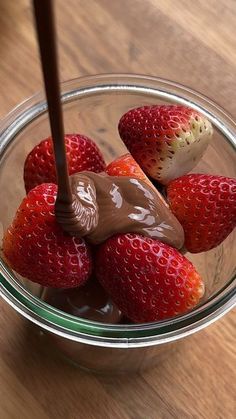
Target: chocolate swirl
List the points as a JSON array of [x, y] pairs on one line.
[[80, 217]]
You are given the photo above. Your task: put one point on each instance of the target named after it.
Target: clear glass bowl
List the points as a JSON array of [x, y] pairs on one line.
[[93, 106]]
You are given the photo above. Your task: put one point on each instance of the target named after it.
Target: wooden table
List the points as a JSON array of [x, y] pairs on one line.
[[192, 42]]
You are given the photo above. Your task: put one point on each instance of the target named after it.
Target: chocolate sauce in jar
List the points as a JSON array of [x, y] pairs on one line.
[[89, 301], [116, 204]]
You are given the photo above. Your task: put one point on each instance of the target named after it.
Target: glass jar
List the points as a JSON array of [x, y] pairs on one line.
[[93, 106]]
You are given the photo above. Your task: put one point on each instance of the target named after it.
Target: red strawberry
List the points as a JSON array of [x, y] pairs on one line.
[[82, 154], [167, 141], [126, 166], [36, 247], [148, 280], [205, 205]]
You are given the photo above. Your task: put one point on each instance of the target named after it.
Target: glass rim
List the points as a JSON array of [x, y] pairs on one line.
[[91, 332]]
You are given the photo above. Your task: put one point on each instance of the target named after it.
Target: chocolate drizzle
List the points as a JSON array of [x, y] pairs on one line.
[[96, 206], [81, 217], [46, 33]]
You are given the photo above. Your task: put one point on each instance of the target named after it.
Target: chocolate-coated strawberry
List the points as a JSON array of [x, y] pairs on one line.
[[36, 247], [205, 205], [126, 166], [148, 280], [166, 140], [82, 154]]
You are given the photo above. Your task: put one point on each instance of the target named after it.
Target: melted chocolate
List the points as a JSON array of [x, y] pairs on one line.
[[89, 301], [46, 34], [112, 204]]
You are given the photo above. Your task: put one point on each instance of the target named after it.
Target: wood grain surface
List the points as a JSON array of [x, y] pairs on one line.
[[192, 42]]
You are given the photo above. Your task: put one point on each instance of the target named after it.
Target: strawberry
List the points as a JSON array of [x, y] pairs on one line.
[[148, 280], [81, 152], [166, 140], [36, 247], [126, 166], [205, 205]]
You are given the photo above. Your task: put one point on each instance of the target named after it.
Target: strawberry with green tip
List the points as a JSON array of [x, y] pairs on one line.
[[167, 141], [148, 280], [36, 247], [205, 205]]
